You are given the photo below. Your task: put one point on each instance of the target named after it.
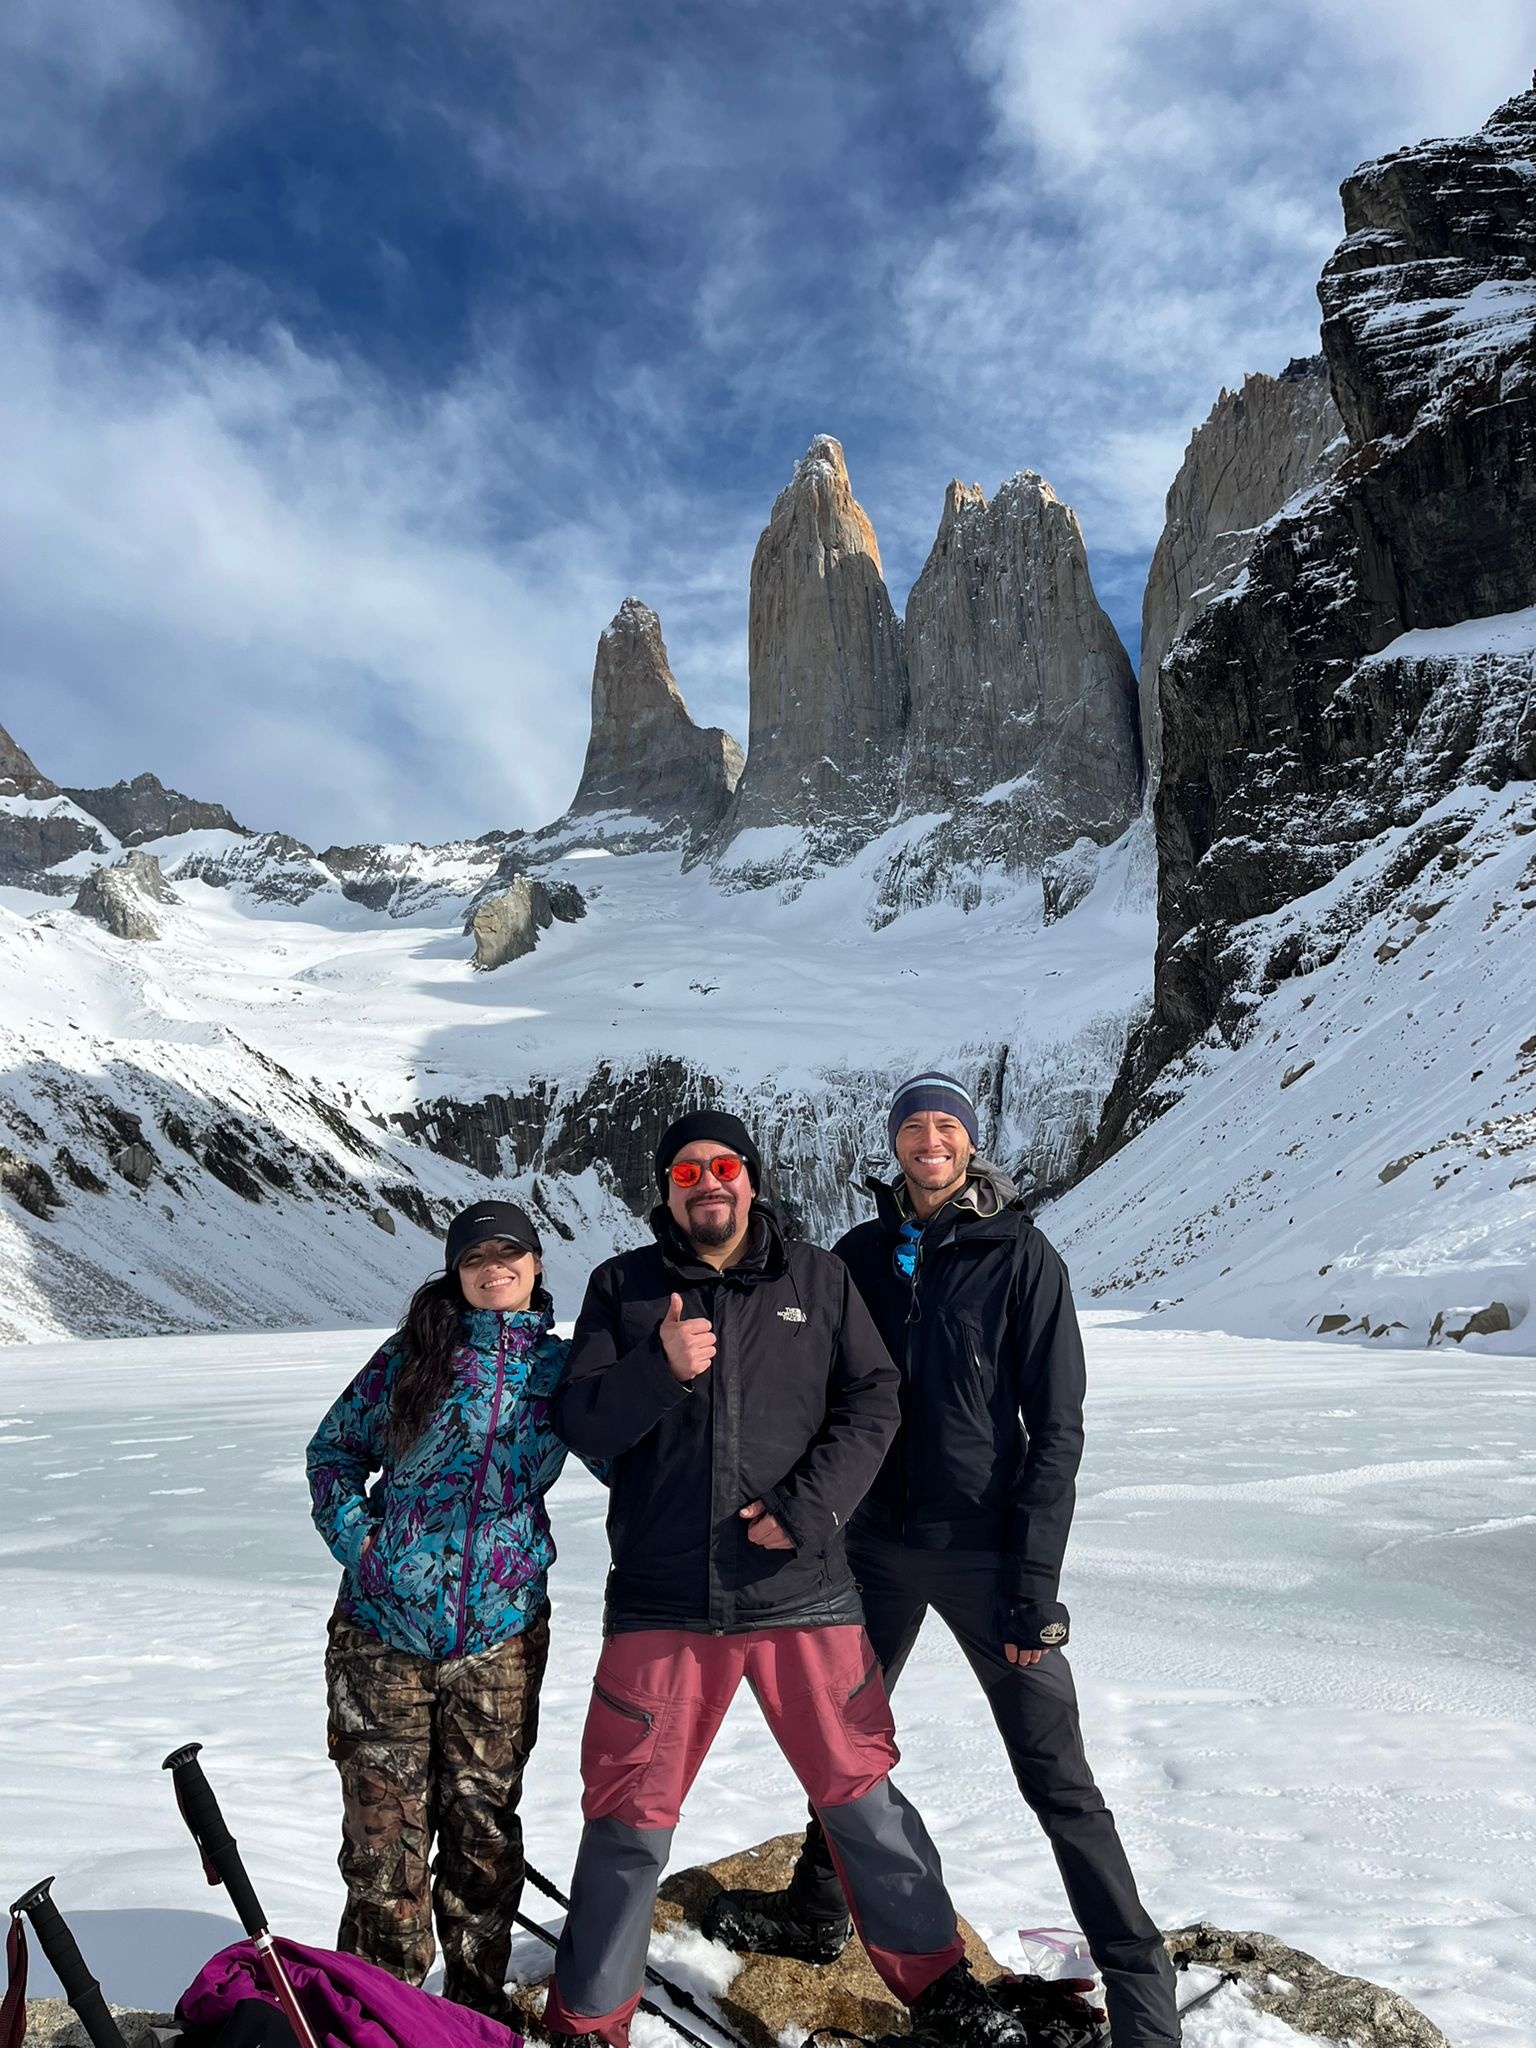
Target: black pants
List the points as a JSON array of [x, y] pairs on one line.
[[1035, 1708]]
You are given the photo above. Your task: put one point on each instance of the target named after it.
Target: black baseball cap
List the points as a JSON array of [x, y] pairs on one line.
[[490, 1220]]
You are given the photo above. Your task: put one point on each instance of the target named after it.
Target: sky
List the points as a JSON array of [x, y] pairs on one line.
[[361, 356]]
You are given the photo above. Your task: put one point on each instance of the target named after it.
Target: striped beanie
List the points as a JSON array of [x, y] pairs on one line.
[[941, 1093]]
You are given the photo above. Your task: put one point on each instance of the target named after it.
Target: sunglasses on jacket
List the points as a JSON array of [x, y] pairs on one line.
[[687, 1173]]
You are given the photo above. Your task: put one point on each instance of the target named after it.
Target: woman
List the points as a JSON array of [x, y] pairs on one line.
[[440, 1634]]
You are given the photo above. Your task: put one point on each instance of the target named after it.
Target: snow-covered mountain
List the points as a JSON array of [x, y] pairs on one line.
[[1282, 1008]]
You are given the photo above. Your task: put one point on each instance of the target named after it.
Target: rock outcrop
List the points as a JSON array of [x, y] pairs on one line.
[[1285, 747], [507, 926], [1306, 1994], [19, 774], [826, 673], [120, 897], [1259, 447], [651, 776], [145, 809], [39, 826], [1023, 722]]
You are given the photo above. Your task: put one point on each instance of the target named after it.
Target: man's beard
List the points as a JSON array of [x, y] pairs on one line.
[[712, 1230]]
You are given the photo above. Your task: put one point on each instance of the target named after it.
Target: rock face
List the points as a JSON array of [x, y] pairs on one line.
[[1285, 747], [19, 774], [659, 777], [1260, 446], [145, 809], [1005, 700], [1015, 671], [507, 926], [39, 826], [119, 897], [827, 678]]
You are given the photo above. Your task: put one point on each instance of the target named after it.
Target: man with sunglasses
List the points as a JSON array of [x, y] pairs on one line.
[[738, 1385], [969, 1516]]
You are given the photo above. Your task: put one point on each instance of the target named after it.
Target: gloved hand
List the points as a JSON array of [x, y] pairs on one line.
[[1029, 1628]]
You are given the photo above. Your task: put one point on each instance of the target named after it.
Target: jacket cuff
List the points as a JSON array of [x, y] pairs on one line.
[[783, 1510], [661, 1384], [1034, 1624]]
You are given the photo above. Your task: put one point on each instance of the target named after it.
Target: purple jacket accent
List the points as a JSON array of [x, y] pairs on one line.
[[348, 2003]]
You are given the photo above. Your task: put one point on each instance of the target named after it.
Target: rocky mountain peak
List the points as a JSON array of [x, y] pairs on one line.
[[958, 499], [1015, 670], [827, 678], [145, 809], [648, 766], [1311, 709], [1259, 445]]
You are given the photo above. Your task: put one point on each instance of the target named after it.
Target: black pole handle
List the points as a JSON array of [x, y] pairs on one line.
[[69, 1966], [216, 1845]]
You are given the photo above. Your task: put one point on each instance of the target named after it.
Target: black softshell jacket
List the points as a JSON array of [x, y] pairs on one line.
[[797, 1410], [991, 1366]]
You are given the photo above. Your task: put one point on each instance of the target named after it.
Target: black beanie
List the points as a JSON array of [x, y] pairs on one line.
[[716, 1124]]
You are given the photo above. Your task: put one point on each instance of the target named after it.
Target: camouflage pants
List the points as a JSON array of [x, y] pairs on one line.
[[433, 1754]]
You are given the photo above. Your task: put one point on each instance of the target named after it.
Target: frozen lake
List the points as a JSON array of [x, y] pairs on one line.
[[1304, 1634]]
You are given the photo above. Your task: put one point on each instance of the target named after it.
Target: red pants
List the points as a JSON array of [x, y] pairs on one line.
[[657, 1703]]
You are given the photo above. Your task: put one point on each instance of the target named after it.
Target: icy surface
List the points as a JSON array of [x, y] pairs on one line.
[[1302, 1631]]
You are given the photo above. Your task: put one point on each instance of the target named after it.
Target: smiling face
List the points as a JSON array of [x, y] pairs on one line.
[[933, 1151], [715, 1212], [498, 1274]]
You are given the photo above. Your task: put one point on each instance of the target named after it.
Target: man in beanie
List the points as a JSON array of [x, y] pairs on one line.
[[739, 1387], [969, 1515]]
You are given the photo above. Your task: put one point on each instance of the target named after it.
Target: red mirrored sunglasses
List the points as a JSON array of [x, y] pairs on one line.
[[687, 1173]]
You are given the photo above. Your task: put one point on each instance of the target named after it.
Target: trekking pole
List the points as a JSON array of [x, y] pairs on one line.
[[222, 1865], [695, 2040], [675, 1992], [58, 1945], [1204, 1997]]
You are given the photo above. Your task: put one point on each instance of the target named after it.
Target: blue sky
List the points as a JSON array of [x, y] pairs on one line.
[[362, 355]]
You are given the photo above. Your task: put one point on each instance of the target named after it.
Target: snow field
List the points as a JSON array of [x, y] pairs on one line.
[[1302, 1634]]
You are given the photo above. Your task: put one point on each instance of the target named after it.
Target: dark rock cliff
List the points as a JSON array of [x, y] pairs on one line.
[[1282, 756]]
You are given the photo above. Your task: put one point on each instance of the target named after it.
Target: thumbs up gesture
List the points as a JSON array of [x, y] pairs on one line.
[[690, 1345]]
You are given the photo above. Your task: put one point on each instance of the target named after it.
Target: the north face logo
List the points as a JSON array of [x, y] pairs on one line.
[[791, 1315]]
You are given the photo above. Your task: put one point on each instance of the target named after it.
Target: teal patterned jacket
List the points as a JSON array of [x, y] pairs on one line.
[[461, 1546]]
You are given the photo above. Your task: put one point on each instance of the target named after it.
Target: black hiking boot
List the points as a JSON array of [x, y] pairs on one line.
[[956, 2012], [775, 1924]]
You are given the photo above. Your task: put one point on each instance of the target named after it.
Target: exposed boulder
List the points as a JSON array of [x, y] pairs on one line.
[[145, 809], [827, 677], [1259, 447], [507, 925], [119, 897], [650, 772], [1286, 744], [1304, 1993]]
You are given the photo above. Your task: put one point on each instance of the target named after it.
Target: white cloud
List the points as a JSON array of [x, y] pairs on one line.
[[1156, 199]]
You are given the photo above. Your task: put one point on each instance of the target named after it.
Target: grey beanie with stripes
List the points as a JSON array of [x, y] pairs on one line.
[[942, 1094]]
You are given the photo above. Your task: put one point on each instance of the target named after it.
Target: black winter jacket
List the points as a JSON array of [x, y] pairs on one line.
[[797, 1410], [991, 1391]]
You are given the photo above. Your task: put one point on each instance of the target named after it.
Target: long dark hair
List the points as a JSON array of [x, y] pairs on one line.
[[430, 1335]]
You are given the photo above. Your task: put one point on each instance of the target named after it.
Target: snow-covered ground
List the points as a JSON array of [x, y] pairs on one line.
[[1302, 1630]]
